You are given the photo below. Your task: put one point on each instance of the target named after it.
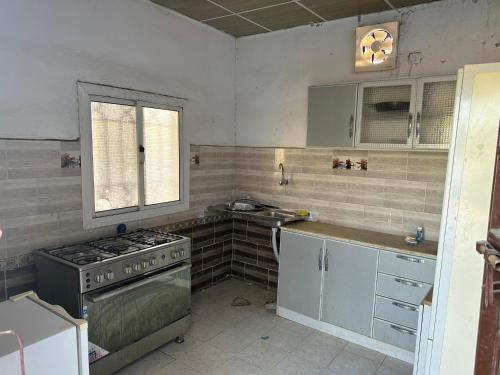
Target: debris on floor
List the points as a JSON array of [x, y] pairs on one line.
[[240, 301]]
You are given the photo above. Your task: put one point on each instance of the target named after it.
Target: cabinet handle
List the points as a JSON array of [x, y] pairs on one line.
[[410, 259], [326, 260], [404, 307], [417, 126], [408, 283], [402, 330], [410, 124], [320, 259], [351, 126]]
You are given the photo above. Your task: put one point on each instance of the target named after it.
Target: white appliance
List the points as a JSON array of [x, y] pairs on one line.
[[54, 343]]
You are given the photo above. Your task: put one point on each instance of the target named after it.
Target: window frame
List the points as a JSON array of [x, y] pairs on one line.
[[89, 92]]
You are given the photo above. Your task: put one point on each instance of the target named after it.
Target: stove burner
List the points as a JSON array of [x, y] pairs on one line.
[[80, 254], [147, 237], [115, 245]]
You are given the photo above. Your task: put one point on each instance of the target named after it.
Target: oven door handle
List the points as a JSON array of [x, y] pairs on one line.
[[115, 292]]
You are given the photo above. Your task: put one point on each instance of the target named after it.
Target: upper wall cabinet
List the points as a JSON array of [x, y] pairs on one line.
[[415, 113], [434, 112], [331, 115]]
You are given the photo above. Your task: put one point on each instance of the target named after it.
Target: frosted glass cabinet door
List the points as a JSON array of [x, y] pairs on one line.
[[299, 277], [436, 103], [331, 115], [385, 115], [349, 286]]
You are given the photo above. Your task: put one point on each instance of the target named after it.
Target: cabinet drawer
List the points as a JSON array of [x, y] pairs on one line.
[[394, 334], [396, 312], [402, 289], [408, 266]]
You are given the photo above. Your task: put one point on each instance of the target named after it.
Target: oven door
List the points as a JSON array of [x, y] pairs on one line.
[[122, 315]]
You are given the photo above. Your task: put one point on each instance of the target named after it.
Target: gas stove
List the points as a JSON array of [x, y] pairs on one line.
[[109, 260]]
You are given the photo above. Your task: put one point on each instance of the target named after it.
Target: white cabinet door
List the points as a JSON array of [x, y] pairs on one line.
[[331, 115], [434, 112], [385, 114], [349, 286], [299, 277]]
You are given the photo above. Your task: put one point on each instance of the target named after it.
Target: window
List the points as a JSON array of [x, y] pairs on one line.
[[133, 155]]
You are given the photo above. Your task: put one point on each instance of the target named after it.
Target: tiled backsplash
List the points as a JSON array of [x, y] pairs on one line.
[[400, 189], [40, 202]]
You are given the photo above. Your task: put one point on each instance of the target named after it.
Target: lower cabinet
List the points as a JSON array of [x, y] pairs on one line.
[[371, 292], [349, 279], [299, 277], [394, 334]]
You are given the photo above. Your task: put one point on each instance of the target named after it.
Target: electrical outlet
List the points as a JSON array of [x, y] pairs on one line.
[[415, 58]]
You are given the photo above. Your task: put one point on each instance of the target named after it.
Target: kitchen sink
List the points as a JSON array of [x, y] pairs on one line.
[[277, 214], [267, 216], [275, 217]]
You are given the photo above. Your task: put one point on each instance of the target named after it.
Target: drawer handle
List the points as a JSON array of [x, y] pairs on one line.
[[410, 259], [404, 307], [402, 330], [408, 283], [326, 260], [320, 259]]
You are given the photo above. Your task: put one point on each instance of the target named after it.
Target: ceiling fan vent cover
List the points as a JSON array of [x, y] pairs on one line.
[[376, 47]]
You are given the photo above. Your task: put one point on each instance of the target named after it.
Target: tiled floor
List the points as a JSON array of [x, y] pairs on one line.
[[225, 340]]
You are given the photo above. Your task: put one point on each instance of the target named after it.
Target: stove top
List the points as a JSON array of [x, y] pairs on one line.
[[112, 247], [80, 254], [151, 238]]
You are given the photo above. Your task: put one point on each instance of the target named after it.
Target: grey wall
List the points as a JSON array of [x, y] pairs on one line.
[[45, 46], [274, 70]]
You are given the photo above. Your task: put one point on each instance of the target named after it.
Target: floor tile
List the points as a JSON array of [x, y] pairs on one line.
[[319, 349], [152, 363], [229, 316], [285, 339], [293, 365], [205, 358], [205, 329], [176, 350], [347, 363], [364, 352], [178, 368], [263, 354], [393, 366], [234, 340], [235, 366]]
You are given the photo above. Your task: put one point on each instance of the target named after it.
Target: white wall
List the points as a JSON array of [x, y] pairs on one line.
[[274, 70], [45, 46], [459, 270]]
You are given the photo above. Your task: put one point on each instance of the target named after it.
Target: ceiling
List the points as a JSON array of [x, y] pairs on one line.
[[249, 17]]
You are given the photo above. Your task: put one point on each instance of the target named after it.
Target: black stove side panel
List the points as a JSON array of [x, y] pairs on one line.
[[58, 284]]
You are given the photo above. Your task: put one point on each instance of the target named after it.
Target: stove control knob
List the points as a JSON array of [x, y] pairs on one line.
[[144, 264], [174, 254], [127, 269], [152, 261], [136, 266], [109, 275], [99, 278], [181, 251]]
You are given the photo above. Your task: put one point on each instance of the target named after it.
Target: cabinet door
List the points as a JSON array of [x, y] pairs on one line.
[[385, 114], [435, 107], [299, 277], [349, 286], [331, 115]]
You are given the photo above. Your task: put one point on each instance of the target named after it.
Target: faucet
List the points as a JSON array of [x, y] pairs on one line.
[[283, 180]]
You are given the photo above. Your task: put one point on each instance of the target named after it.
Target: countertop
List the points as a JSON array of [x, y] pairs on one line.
[[428, 298], [363, 237]]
